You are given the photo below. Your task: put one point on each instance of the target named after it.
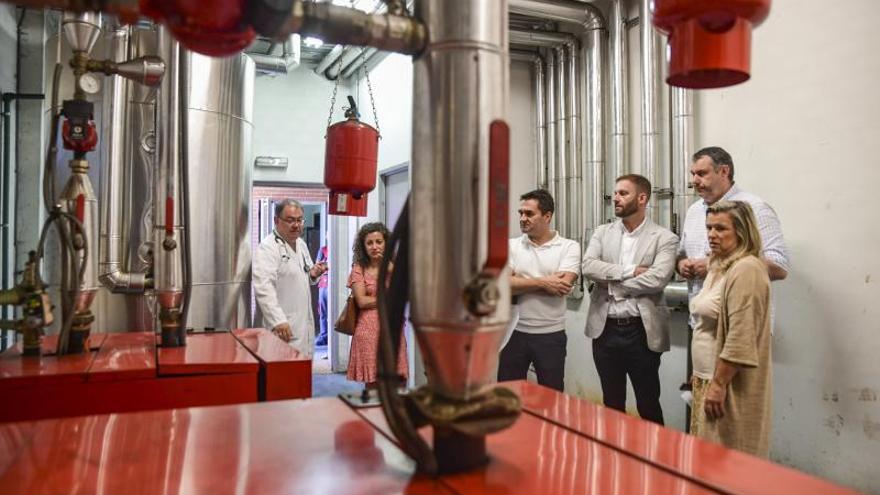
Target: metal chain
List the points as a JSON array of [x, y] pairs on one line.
[[370, 89], [335, 89]]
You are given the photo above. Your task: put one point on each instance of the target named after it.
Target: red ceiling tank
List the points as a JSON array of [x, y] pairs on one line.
[[350, 164], [709, 40]]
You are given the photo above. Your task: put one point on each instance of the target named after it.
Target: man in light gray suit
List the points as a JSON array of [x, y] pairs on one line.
[[630, 261]]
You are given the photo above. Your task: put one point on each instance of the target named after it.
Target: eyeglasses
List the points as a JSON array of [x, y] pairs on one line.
[[291, 221]]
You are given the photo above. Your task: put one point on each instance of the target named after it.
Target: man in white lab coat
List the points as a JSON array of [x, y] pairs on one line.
[[283, 271]]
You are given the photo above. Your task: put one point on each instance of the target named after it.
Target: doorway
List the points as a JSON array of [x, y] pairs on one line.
[[394, 190], [314, 201]]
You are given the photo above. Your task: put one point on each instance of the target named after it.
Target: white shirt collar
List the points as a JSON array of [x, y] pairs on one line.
[[734, 190], [556, 239], [636, 230]]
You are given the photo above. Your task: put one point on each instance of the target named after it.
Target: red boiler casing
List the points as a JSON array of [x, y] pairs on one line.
[[709, 40], [350, 166]]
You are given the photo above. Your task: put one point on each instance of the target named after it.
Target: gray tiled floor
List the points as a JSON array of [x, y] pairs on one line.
[[333, 384], [326, 383]]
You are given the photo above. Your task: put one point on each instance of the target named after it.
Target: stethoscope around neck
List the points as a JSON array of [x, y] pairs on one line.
[[286, 256]]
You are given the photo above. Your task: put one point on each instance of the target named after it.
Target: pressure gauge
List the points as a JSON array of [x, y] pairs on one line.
[[89, 83]]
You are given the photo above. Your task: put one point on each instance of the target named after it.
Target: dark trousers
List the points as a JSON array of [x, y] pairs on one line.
[[622, 350], [545, 350]]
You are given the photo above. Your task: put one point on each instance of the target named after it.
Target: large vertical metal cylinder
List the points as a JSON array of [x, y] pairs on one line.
[[219, 134], [460, 86], [219, 113]]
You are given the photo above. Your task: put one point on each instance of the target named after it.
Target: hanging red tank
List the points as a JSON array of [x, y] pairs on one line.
[[709, 40], [350, 164]]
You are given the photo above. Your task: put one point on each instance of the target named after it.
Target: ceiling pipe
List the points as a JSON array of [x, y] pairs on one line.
[[329, 59], [359, 62], [288, 61], [327, 66]]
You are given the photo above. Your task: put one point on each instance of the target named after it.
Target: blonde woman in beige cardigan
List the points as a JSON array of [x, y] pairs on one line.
[[731, 344]]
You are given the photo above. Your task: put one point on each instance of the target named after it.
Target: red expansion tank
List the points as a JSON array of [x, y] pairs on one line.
[[350, 166], [709, 40]]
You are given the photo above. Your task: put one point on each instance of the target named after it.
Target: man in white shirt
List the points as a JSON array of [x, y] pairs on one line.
[[283, 271], [544, 267], [630, 261], [712, 176]]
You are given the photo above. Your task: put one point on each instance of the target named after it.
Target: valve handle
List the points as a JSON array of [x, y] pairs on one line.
[[499, 185]]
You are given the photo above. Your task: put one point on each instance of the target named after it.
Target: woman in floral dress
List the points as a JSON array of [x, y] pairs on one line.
[[368, 251]]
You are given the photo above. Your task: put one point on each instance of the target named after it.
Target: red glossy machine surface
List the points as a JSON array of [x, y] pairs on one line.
[[207, 353], [285, 373], [559, 445], [128, 372]]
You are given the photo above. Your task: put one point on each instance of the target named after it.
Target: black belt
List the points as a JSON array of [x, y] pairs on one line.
[[624, 322]]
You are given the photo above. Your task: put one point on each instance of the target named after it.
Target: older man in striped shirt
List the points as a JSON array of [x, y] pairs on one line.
[[712, 176]]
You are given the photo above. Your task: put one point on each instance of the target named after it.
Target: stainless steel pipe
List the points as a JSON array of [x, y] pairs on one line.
[[113, 274], [461, 85]]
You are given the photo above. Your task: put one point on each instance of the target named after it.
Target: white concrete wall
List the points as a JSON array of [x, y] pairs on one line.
[[392, 92], [802, 133], [290, 120]]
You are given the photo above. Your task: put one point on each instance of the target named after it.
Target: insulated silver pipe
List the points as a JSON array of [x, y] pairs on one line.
[[682, 146], [550, 118], [359, 62], [288, 61], [450, 245], [349, 56], [329, 59], [113, 274], [563, 140], [573, 102], [594, 132], [541, 126], [593, 44], [652, 137], [619, 163], [167, 201], [585, 14]]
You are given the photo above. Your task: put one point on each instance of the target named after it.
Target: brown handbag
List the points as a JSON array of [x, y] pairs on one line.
[[348, 318]]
